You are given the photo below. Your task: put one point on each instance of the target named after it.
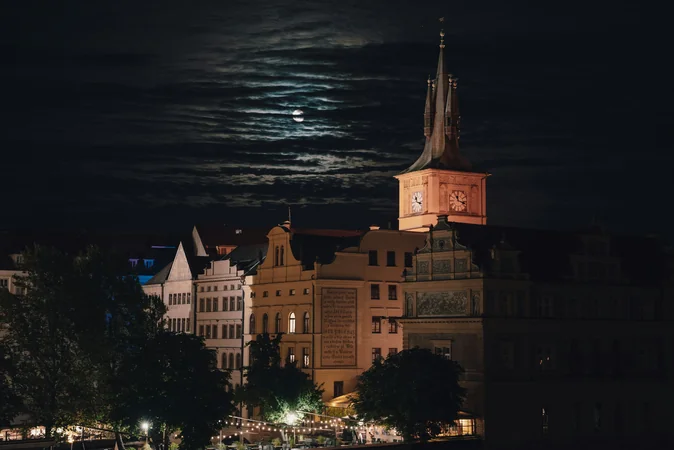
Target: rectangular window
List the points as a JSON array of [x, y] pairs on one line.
[[392, 292], [224, 303], [376, 325], [201, 330], [338, 389], [373, 257], [239, 303], [306, 291], [392, 351], [231, 304], [252, 294], [215, 332], [305, 357], [4, 283], [392, 326], [390, 258], [376, 354], [291, 354], [187, 325], [408, 259], [215, 304], [445, 352], [231, 287], [292, 292], [224, 287], [265, 293], [374, 291], [183, 329], [188, 298], [208, 289], [224, 331], [170, 299], [545, 306], [238, 331], [278, 292], [208, 305], [215, 288], [208, 331], [231, 331]]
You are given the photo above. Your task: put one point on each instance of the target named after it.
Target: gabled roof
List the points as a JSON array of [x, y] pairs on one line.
[[161, 276], [311, 245]]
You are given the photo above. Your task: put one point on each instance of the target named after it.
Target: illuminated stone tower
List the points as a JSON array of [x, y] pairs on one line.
[[441, 181]]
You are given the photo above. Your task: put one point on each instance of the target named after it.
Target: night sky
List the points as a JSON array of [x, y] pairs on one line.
[[163, 114]]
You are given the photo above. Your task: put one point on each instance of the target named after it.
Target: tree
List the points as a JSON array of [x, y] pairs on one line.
[[67, 334], [10, 404], [172, 381], [414, 391], [278, 391]]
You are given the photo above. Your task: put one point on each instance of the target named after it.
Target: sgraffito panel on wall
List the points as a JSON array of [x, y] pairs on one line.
[[338, 341], [449, 303]]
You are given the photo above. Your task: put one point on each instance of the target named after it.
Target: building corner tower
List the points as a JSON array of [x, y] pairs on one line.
[[441, 181]]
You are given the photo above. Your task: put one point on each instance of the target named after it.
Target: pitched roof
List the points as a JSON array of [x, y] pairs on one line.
[[311, 245], [248, 257], [161, 276]]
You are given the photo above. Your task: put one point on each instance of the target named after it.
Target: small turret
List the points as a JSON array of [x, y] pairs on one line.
[[428, 111]]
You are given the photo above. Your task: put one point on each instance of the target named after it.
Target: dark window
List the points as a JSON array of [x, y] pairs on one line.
[[231, 360], [392, 326], [188, 298], [292, 292], [187, 325], [390, 258], [392, 292], [278, 293], [231, 332], [376, 324], [202, 302], [544, 421], [214, 334], [265, 323], [305, 328], [224, 303], [409, 307], [208, 305], [237, 364], [306, 291], [281, 262], [208, 331], [392, 351], [224, 331], [201, 330], [374, 291], [373, 257], [265, 293], [251, 326], [277, 323], [223, 360], [338, 388], [376, 354], [239, 302], [238, 331], [408, 259], [183, 329], [231, 304], [215, 304], [445, 352], [276, 255], [305, 357], [170, 299]]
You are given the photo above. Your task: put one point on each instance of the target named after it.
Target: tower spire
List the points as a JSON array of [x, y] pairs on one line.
[[428, 110], [441, 122]]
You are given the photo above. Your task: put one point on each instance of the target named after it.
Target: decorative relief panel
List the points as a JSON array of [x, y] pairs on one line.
[[339, 313], [422, 267], [441, 266], [444, 197], [451, 303], [460, 265]]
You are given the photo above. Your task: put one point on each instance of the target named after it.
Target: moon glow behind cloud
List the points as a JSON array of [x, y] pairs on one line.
[[298, 115]]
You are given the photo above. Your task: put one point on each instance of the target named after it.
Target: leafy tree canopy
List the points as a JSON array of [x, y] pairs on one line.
[[414, 391], [277, 390], [173, 383]]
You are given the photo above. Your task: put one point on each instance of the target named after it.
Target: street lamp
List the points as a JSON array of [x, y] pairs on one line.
[[145, 426]]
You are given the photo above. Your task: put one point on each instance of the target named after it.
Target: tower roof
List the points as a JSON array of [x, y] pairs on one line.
[[441, 123]]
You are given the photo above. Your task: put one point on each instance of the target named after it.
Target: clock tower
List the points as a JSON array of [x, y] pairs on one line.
[[441, 181]]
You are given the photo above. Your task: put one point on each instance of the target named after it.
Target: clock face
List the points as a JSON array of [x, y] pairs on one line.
[[417, 202], [458, 201]]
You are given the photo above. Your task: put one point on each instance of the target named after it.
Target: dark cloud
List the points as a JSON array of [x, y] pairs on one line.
[[182, 113]]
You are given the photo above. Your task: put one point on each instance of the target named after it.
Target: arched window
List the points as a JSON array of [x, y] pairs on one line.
[[223, 362], [282, 256], [265, 323], [252, 324], [277, 324], [238, 361], [231, 360], [291, 323], [276, 256], [305, 328]]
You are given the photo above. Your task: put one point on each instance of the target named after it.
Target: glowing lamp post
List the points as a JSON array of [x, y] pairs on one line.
[[291, 419], [145, 426]]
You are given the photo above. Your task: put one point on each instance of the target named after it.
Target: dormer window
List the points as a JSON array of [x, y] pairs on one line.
[[132, 262], [148, 263]]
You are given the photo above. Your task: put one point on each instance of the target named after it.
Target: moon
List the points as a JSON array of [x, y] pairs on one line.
[[298, 115]]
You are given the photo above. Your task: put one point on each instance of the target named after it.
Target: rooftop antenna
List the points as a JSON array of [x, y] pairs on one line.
[[289, 215]]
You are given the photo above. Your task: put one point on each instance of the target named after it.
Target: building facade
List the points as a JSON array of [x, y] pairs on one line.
[[335, 295], [564, 338]]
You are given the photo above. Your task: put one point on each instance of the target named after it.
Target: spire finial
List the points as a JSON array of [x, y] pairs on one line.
[[442, 33]]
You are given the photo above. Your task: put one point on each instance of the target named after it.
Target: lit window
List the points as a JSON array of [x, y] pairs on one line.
[[376, 325], [291, 323], [306, 291], [292, 292], [376, 354], [392, 351], [291, 354], [305, 357], [392, 326]]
